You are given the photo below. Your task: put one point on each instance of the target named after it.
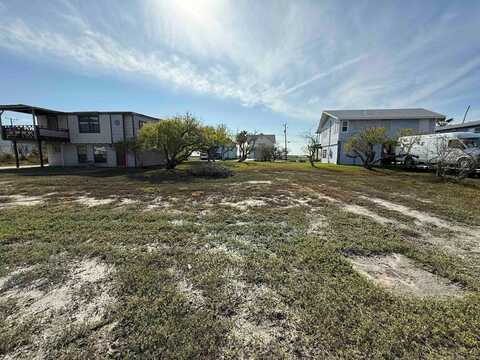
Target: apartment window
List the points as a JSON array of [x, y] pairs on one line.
[[88, 124], [344, 126], [477, 129], [100, 154], [82, 154]]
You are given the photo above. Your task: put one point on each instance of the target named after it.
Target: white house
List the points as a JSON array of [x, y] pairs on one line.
[[82, 138], [336, 126], [259, 141]]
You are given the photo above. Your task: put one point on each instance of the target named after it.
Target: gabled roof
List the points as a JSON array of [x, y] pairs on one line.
[[458, 126], [379, 114], [271, 138]]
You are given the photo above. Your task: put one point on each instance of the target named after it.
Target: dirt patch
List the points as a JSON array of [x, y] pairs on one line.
[[64, 306], [355, 209], [464, 242], [158, 203], [402, 276], [224, 250], [260, 320], [9, 201], [258, 182], [363, 211], [245, 204], [92, 202], [194, 296], [420, 217], [317, 224], [126, 202]]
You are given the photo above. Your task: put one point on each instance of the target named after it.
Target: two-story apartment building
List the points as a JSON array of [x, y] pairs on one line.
[[83, 137], [336, 126]]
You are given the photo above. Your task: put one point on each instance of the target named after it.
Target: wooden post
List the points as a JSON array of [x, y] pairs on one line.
[[15, 151], [39, 142]]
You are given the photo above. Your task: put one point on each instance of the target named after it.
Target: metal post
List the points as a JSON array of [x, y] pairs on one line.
[[15, 151], [40, 152], [1, 126], [37, 136], [285, 133]]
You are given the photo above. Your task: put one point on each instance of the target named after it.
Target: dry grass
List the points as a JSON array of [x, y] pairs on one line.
[[278, 261]]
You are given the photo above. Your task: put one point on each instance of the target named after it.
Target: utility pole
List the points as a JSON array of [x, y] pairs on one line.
[[465, 116], [285, 135]]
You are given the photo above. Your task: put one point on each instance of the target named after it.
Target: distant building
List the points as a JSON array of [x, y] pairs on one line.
[[260, 140], [471, 126], [223, 153], [337, 126]]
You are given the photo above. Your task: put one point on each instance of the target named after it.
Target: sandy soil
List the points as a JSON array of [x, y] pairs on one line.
[[402, 276]]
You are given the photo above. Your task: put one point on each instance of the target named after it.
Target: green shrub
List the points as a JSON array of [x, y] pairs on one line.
[[210, 171]]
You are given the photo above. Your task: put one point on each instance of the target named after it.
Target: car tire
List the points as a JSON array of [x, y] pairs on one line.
[[465, 163], [409, 163]]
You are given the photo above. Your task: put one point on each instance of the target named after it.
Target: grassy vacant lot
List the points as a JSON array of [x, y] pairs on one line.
[[277, 261]]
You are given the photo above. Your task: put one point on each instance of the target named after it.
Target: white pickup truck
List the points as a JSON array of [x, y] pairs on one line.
[[458, 149]]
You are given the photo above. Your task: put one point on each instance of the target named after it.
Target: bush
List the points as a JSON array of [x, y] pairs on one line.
[[265, 153], [210, 171]]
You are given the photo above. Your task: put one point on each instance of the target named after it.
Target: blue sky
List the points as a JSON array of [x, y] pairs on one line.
[[249, 64]]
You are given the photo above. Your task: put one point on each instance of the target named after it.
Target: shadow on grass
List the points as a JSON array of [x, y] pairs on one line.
[[182, 174]]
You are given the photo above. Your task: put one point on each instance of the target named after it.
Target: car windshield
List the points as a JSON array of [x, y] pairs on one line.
[[471, 143]]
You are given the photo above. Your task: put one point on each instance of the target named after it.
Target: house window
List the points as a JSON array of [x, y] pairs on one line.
[[324, 153], [344, 126], [82, 154], [88, 124], [141, 123], [57, 149], [100, 154]]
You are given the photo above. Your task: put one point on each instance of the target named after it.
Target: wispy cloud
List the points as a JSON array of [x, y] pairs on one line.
[[233, 50], [323, 74]]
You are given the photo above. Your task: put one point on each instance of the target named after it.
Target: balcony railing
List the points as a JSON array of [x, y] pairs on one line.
[[33, 132]]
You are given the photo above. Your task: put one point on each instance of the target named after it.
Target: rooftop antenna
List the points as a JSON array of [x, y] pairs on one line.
[[465, 116]]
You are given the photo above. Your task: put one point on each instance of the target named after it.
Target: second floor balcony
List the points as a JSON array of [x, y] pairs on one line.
[[33, 133]]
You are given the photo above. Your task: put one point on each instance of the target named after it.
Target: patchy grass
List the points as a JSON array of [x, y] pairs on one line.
[[278, 261]]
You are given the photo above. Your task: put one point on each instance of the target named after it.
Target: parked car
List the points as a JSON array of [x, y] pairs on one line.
[[457, 149]]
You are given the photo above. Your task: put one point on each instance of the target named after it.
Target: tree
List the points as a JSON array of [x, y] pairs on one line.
[[246, 144], [452, 162], [279, 153], [313, 144], [362, 145], [265, 153], [405, 140], [214, 139], [175, 138]]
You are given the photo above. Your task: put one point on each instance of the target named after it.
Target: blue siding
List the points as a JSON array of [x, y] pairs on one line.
[[330, 139]]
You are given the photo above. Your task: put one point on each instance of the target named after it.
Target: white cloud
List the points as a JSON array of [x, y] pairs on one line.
[[294, 58]]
